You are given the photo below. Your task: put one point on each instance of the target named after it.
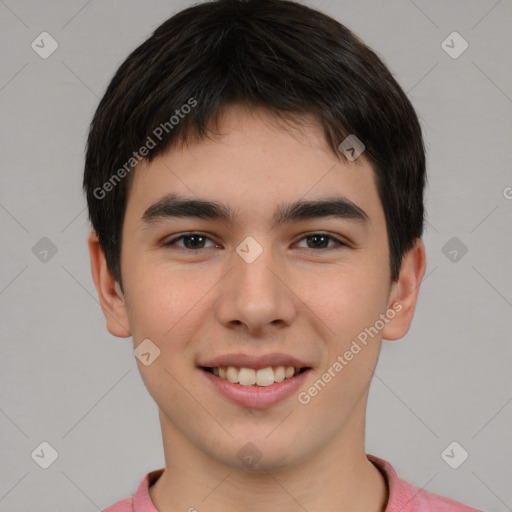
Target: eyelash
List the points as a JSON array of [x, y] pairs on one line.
[[308, 235]]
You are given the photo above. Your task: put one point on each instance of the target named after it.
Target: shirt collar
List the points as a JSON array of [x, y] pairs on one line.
[[400, 492]]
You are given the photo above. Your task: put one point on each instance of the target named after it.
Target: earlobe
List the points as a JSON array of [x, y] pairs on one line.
[[109, 292], [405, 292]]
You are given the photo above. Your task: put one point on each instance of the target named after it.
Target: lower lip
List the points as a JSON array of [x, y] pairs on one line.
[[256, 397]]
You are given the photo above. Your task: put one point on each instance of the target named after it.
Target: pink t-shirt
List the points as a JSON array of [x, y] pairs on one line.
[[403, 497]]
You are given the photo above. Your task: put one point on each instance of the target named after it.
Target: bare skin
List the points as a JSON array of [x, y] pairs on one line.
[[299, 297]]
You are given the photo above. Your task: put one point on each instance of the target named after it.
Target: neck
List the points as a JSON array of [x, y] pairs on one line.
[[337, 477]]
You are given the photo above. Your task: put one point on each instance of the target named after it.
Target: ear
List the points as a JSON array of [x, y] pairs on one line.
[[404, 292], [111, 298]]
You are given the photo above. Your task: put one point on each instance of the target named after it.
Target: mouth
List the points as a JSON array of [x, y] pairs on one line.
[[255, 382], [261, 377]]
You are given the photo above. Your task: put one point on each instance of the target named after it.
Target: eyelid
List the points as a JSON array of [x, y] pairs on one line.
[[339, 241], [187, 234]]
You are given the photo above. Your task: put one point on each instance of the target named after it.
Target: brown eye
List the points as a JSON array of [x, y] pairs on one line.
[[321, 241], [191, 241]]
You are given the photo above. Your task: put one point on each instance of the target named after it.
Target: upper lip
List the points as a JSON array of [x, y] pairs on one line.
[[252, 361]]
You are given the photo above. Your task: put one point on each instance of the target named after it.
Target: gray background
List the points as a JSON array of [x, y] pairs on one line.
[[66, 381]]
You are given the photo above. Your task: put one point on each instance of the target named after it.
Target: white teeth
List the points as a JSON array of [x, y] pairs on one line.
[[264, 376], [250, 376], [247, 376], [232, 374], [279, 374]]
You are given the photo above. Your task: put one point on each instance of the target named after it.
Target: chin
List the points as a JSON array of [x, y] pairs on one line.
[[259, 455]]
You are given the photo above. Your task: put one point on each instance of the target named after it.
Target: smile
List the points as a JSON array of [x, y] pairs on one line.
[[251, 377], [255, 389]]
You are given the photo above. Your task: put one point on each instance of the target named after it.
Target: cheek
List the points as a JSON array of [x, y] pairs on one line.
[[167, 303], [347, 299], [164, 308], [156, 300], [351, 310]]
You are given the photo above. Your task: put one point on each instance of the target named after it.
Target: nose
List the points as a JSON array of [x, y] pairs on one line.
[[256, 295]]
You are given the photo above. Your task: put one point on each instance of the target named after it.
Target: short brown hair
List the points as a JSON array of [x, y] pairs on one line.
[[279, 54]]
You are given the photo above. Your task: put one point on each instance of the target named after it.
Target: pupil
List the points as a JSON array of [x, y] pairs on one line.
[[190, 237], [316, 238]]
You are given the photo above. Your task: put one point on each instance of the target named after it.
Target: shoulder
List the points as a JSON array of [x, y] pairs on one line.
[[140, 501], [428, 502], [125, 505], [406, 497]]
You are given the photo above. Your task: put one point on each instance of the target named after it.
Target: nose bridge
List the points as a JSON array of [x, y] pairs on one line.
[[254, 295], [256, 277], [256, 281]]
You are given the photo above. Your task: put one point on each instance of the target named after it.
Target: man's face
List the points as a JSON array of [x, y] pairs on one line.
[[256, 288]]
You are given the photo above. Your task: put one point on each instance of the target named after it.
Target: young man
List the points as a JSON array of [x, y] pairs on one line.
[[254, 177]]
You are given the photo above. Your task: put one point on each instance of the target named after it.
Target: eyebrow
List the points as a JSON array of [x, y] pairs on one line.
[[173, 205]]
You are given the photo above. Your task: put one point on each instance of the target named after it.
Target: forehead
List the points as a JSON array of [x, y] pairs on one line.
[[251, 160]]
